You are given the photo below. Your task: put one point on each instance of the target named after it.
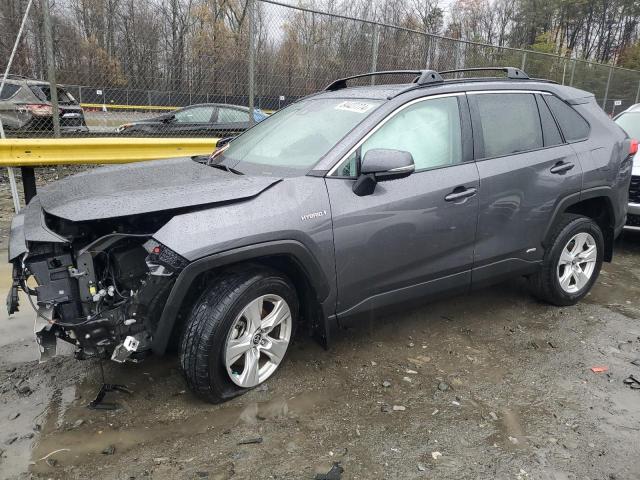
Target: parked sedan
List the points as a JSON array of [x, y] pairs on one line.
[[200, 120], [629, 121]]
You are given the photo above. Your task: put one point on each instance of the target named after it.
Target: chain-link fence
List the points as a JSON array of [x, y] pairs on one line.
[[133, 69]]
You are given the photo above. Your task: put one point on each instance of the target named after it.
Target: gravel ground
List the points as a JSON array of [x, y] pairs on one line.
[[484, 386]]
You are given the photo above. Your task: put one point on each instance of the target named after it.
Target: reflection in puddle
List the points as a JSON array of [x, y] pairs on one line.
[[93, 437]]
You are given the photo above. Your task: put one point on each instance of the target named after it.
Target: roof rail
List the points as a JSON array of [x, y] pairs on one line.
[[13, 76], [512, 72], [429, 77], [423, 77]]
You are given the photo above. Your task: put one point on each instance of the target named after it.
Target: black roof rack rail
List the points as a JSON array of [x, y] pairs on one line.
[[13, 76], [512, 72], [423, 77]]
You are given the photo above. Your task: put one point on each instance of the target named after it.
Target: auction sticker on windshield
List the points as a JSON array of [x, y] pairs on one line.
[[357, 107]]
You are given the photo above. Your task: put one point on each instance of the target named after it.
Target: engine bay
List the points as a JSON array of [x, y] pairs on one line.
[[103, 294]]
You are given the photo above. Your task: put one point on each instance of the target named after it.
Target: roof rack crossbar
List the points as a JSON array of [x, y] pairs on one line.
[[511, 72], [423, 77]]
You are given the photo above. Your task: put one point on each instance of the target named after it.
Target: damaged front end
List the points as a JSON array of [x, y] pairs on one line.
[[100, 285]]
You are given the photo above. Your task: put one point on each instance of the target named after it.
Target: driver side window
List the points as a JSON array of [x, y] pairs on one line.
[[429, 130]]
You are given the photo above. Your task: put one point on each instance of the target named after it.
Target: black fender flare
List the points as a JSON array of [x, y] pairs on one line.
[[296, 250], [574, 198]]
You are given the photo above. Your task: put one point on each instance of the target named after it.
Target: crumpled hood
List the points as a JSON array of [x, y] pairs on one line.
[[146, 187]]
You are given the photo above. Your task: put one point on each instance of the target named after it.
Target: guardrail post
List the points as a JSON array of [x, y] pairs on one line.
[[252, 53], [606, 90], [28, 183], [374, 52]]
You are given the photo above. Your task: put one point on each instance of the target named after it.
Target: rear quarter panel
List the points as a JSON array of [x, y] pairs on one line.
[[604, 158]]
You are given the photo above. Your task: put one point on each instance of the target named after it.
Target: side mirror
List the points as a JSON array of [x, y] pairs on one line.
[[382, 164]]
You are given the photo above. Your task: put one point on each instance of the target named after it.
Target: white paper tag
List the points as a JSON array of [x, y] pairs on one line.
[[351, 106]]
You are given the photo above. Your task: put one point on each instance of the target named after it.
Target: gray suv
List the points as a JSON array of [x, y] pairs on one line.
[[348, 201], [26, 108]]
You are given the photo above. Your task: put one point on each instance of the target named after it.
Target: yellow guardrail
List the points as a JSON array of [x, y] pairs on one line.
[[127, 107], [22, 152], [111, 106]]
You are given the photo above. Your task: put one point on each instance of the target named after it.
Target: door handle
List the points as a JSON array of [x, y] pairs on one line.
[[459, 193], [562, 167]]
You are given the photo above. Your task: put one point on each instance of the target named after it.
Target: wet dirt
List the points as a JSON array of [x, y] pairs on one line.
[[517, 399]]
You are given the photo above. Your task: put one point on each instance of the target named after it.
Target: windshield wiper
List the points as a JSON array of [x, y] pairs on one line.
[[226, 169]]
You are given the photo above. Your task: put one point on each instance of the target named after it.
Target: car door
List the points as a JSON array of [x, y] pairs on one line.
[[412, 237], [195, 120], [525, 169], [231, 120]]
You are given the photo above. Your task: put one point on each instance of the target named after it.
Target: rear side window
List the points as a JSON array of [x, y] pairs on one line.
[[8, 91], [232, 115], [550, 132], [510, 123], [43, 92], [573, 126]]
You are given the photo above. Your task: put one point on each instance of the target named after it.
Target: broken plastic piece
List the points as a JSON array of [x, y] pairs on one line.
[[599, 369], [125, 349], [98, 404]]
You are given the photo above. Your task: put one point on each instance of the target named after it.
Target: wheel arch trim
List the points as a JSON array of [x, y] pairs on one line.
[[291, 248], [603, 192]]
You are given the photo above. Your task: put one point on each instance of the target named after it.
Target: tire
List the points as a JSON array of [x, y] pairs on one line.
[[226, 315], [563, 279]]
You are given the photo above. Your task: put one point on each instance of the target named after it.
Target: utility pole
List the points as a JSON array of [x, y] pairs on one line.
[[51, 67], [252, 57]]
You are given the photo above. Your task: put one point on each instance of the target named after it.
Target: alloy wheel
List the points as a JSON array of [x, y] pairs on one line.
[[577, 262], [258, 340]]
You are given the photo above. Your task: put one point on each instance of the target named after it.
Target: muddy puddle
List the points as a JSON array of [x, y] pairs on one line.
[[73, 434], [493, 385]]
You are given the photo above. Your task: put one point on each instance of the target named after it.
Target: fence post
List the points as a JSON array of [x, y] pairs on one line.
[[250, 19], [573, 70], [638, 93], [374, 53], [606, 90], [564, 70], [51, 67], [524, 60]]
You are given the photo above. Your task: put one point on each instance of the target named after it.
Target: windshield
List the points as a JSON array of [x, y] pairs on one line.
[[300, 135], [630, 123]]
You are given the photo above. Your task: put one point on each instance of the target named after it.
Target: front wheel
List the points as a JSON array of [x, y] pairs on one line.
[[238, 333], [572, 262]]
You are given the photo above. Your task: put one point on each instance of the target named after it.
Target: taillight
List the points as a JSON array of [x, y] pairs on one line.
[[40, 109], [633, 147]]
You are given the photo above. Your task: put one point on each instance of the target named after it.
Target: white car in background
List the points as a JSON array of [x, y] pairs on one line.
[[629, 120]]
